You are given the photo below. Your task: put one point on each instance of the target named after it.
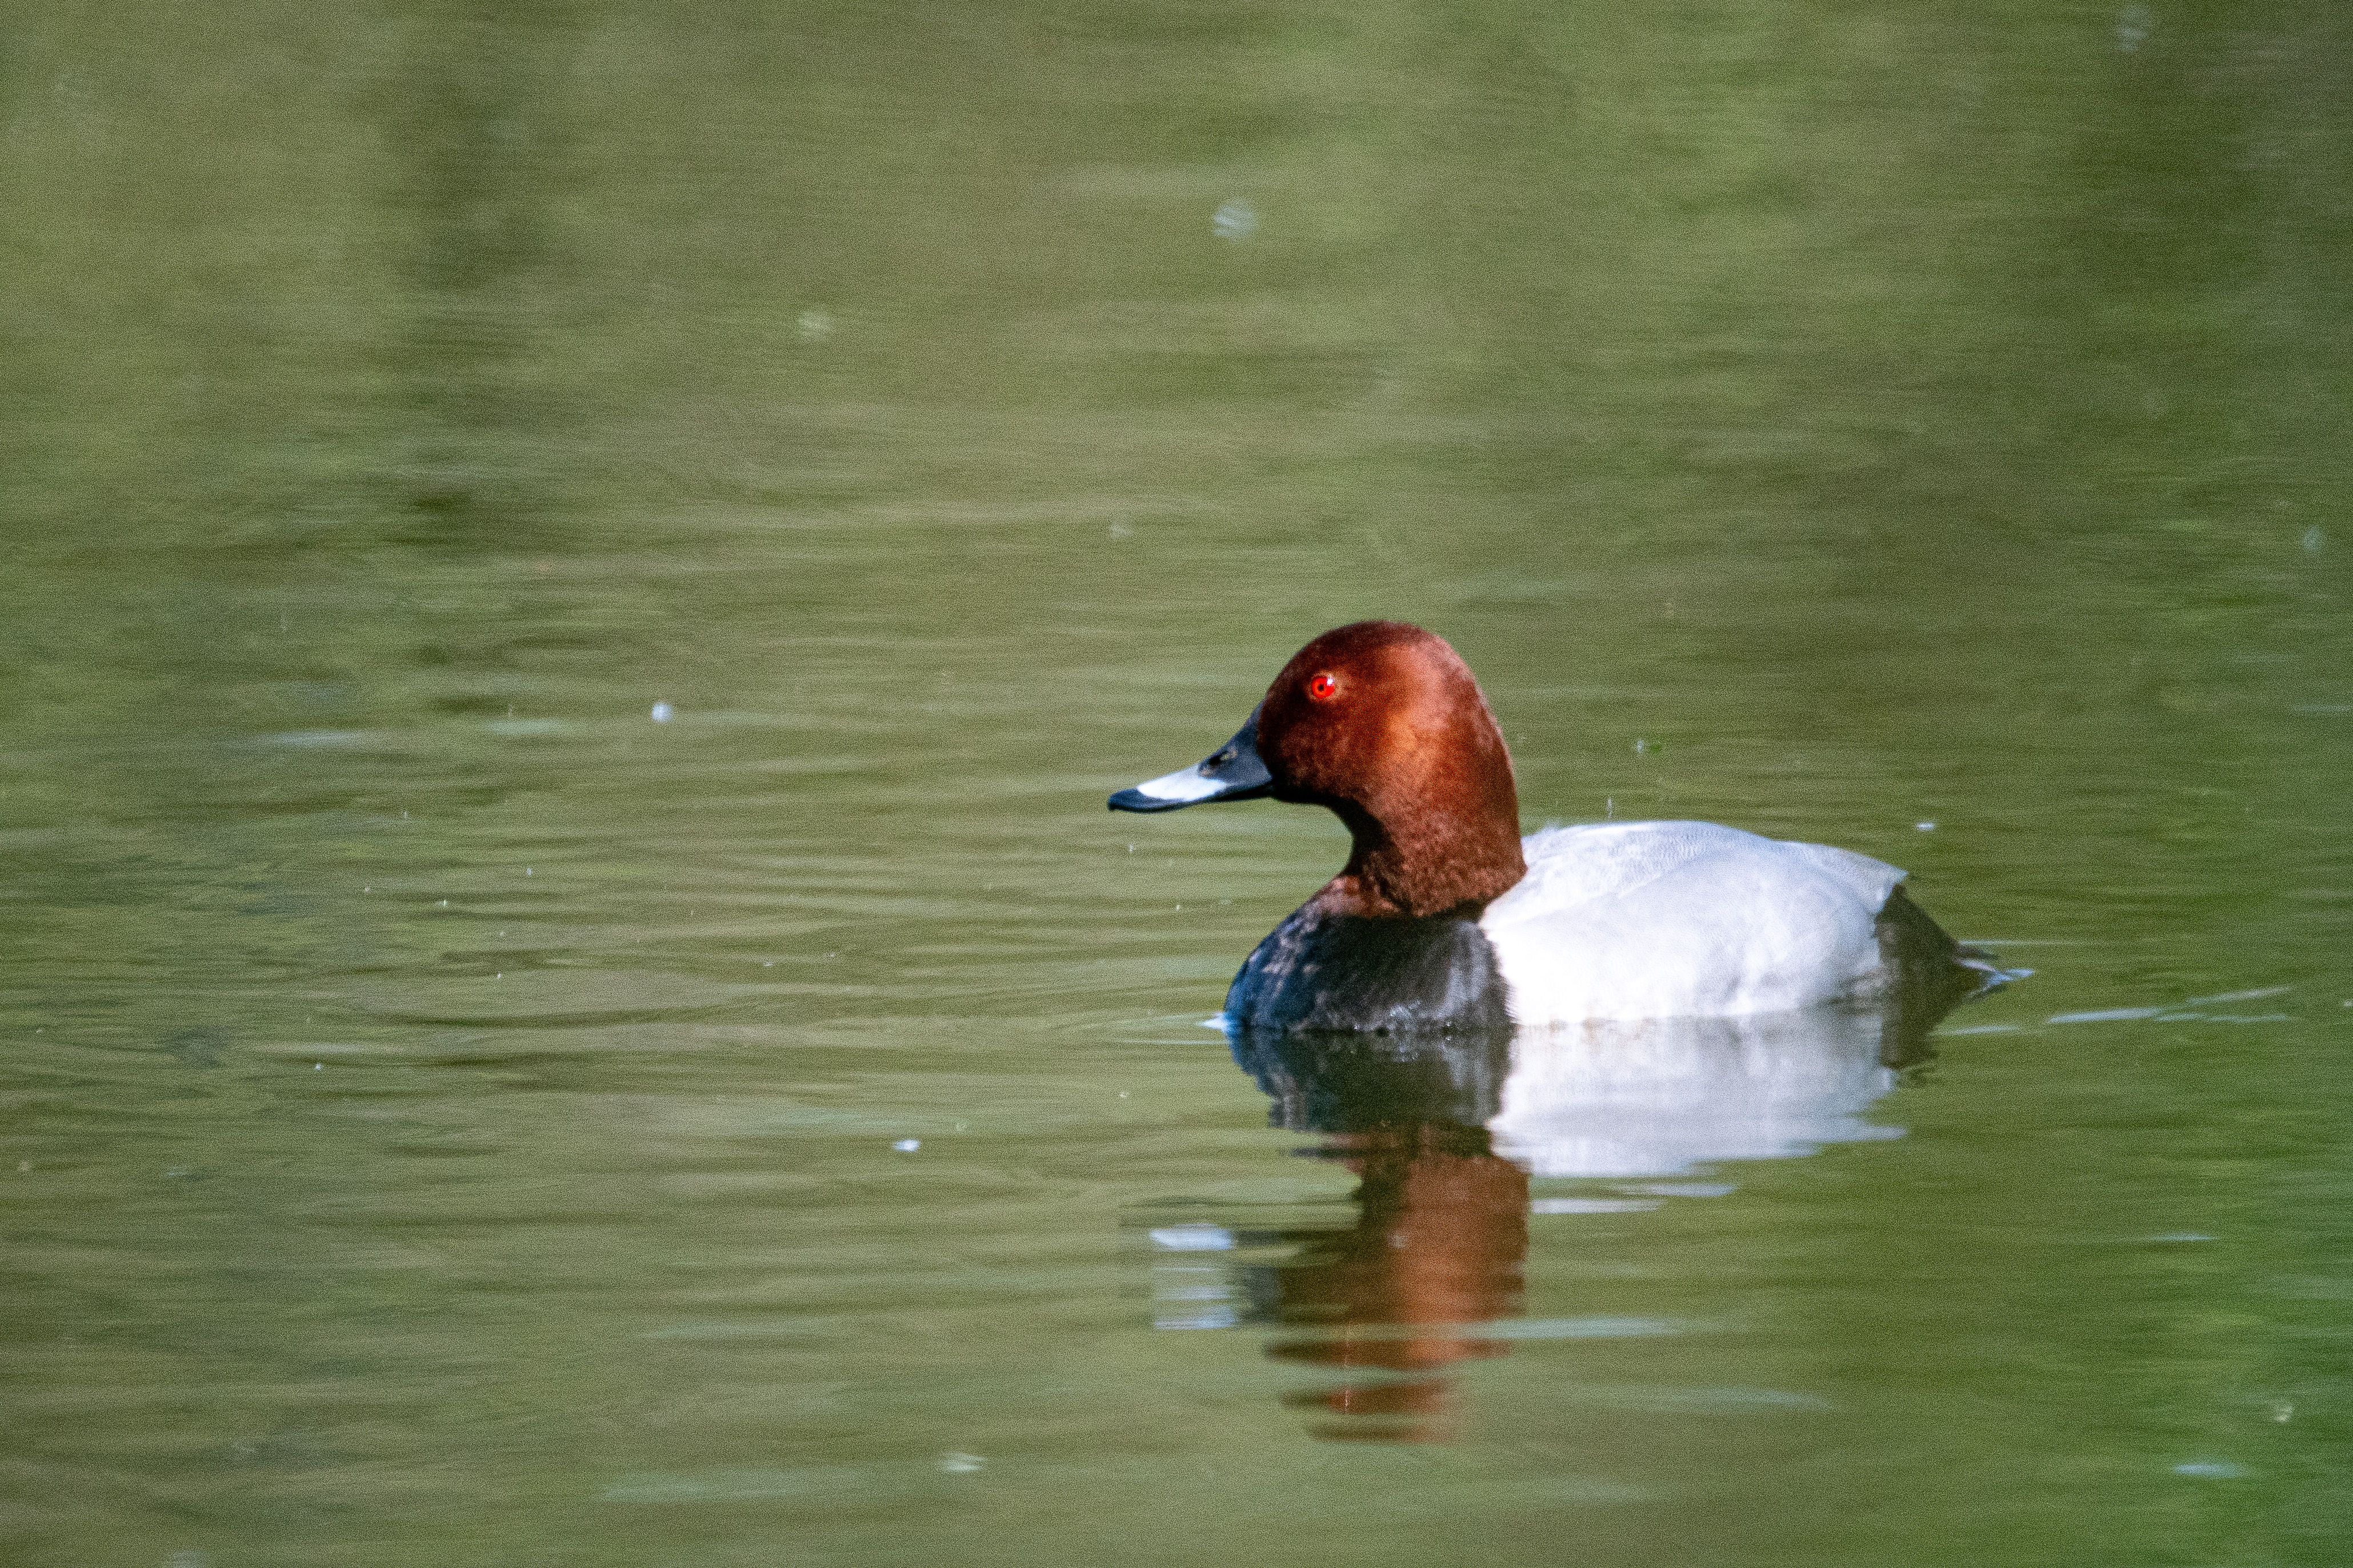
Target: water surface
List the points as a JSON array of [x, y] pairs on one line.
[[577, 579]]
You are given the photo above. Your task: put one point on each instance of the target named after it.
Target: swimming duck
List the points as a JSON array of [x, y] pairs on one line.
[[1445, 917]]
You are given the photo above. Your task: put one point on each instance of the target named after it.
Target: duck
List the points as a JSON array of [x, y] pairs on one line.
[[1446, 919]]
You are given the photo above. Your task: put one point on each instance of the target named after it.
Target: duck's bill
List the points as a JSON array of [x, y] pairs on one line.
[[1232, 771]]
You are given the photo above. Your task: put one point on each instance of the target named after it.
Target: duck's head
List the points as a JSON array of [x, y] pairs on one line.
[[1386, 725]]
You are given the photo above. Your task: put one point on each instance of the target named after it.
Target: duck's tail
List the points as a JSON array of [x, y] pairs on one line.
[[1928, 975]]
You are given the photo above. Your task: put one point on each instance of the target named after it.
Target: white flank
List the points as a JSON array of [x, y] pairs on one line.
[[1689, 920]]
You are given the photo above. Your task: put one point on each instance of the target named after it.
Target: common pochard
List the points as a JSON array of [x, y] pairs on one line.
[[1446, 918]]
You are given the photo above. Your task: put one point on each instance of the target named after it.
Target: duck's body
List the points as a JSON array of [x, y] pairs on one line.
[[1685, 920], [1444, 918]]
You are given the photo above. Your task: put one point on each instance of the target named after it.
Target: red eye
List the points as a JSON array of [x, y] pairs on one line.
[[1321, 688]]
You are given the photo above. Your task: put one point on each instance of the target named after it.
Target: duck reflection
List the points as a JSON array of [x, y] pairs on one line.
[[1443, 1133], [1441, 1228], [1440, 1245]]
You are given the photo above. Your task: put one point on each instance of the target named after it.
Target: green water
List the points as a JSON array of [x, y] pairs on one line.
[[449, 1115]]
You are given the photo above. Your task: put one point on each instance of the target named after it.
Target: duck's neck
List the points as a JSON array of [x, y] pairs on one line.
[[1421, 863]]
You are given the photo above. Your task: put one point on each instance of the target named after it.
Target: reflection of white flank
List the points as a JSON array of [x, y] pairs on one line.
[[1185, 783], [1193, 1239], [1655, 1097]]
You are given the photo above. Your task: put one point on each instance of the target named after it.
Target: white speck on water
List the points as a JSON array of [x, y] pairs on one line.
[[1235, 220], [2182, 1235], [526, 871], [2134, 24], [1925, 827], [1122, 1094], [1120, 530], [2282, 1410], [318, 1067], [2105, 1016], [908, 1146], [2314, 539], [960, 1464], [1593, 1205], [816, 325], [1193, 1239], [664, 712], [2211, 1470], [1640, 745], [444, 903]]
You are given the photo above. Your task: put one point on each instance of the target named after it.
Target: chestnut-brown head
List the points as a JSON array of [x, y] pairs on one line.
[[1383, 723]]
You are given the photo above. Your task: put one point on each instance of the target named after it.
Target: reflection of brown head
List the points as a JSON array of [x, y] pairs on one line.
[[1440, 1240]]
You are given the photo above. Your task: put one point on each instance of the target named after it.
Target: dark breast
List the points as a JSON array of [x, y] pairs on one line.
[[1361, 974]]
